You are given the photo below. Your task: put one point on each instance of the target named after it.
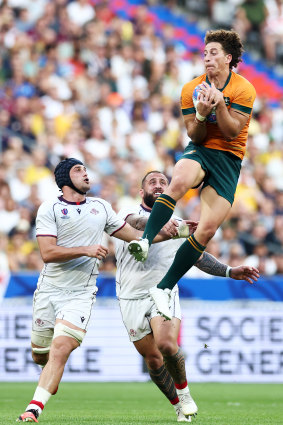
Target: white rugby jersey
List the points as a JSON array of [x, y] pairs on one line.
[[75, 224], [133, 278]]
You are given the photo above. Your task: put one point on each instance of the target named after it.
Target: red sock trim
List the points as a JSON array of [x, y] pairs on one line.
[[38, 403], [175, 400], [181, 386]]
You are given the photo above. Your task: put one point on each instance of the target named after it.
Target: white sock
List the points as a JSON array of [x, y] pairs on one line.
[[41, 395]]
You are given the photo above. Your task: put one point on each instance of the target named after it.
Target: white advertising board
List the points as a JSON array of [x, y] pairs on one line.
[[222, 342], [229, 343]]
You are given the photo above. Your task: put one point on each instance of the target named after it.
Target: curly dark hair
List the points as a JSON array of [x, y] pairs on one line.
[[230, 42]]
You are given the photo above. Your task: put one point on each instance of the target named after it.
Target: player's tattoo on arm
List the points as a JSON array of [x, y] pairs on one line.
[[164, 381], [136, 221], [209, 264], [176, 366]]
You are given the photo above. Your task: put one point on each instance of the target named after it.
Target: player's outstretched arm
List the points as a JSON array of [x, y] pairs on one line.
[[248, 273], [210, 265], [173, 229], [137, 221], [128, 233], [53, 253]]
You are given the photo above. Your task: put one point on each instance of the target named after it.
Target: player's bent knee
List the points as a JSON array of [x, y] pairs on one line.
[[208, 233], [40, 350], [42, 340], [64, 330], [40, 358], [178, 187], [167, 348], [154, 363]]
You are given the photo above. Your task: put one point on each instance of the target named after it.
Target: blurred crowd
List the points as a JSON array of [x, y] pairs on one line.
[[78, 81], [259, 22]]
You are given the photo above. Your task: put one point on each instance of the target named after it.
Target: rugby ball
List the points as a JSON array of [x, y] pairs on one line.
[[212, 116]]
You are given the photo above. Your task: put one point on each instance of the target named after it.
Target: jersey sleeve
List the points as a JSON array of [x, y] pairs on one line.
[[187, 104], [244, 98], [45, 221], [125, 212], [113, 221]]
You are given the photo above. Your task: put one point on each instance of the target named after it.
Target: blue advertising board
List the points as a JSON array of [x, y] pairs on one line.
[[214, 289]]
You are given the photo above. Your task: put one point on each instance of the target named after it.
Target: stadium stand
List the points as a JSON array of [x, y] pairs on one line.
[[94, 89]]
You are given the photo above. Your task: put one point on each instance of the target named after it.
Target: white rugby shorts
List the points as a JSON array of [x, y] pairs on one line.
[[137, 313], [51, 303]]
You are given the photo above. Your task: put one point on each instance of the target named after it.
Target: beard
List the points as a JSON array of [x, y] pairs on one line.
[[149, 199]]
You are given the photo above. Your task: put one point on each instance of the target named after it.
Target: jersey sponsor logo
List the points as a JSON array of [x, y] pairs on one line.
[[94, 211], [64, 211], [133, 332]]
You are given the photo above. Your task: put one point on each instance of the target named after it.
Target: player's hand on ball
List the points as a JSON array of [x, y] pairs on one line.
[[217, 95], [247, 273], [184, 228], [192, 225], [203, 98], [171, 228]]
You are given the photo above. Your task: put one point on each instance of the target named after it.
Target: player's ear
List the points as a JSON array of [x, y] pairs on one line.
[[228, 58], [141, 192]]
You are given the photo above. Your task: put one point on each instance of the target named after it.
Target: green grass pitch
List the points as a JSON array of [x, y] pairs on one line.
[[143, 404]]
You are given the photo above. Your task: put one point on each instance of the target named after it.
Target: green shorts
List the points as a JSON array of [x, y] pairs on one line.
[[222, 169]]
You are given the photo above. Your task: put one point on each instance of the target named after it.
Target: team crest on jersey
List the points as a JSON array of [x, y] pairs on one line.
[[64, 211], [39, 322], [94, 211], [133, 332], [227, 100]]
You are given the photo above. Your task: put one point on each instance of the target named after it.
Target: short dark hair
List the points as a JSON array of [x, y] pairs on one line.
[[151, 172], [230, 42]]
